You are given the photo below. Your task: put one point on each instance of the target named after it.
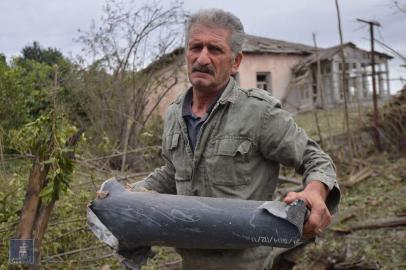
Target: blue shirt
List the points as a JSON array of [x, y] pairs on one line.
[[194, 123]]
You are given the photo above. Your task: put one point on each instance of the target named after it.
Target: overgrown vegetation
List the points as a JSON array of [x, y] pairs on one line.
[[45, 99], [393, 122]]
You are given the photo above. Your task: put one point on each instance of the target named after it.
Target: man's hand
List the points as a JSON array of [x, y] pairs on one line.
[[314, 196]]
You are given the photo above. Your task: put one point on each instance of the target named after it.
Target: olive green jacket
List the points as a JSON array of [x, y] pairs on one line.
[[238, 154]]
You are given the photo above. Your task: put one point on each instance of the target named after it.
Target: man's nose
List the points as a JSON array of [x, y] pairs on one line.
[[203, 58]]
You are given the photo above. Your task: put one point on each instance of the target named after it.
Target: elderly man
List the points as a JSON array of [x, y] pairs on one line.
[[223, 141]]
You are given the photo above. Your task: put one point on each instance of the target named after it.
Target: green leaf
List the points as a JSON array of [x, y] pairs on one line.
[[46, 192]]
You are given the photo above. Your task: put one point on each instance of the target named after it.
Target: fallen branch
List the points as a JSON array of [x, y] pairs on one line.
[[346, 217], [45, 259], [373, 224], [97, 258], [401, 214], [68, 233], [156, 147], [136, 176], [67, 221], [358, 177]]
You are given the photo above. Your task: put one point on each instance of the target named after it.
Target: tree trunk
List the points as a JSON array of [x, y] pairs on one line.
[[32, 199], [34, 214], [40, 226]]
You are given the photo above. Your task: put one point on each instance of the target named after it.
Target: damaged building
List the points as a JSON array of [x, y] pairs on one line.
[[327, 64], [289, 72]]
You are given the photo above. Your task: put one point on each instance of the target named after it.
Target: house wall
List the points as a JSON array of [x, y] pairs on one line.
[[279, 65], [178, 70]]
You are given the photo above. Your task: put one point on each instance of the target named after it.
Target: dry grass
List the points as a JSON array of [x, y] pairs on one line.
[[332, 121], [379, 196]]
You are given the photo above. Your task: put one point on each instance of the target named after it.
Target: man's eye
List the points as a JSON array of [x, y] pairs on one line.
[[215, 49], [195, 47]]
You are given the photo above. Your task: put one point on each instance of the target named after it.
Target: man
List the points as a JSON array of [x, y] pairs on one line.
[[223, 141]]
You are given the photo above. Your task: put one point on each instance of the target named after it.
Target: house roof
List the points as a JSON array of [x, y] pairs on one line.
[[255, 44], [165, 59], [329, 53], [262, 45]]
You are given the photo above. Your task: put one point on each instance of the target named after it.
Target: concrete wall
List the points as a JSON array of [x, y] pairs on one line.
[[278, 65]]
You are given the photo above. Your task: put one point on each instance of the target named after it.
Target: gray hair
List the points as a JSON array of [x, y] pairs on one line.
[[219, 18]]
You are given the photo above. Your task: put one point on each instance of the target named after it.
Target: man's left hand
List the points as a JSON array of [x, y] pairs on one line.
[[314, 196]]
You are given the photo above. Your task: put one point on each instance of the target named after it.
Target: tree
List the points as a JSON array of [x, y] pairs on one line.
[[32, 90], [3, 59], [49, 56], [49, 139], [25, 84], [23, 93], [118, 84]]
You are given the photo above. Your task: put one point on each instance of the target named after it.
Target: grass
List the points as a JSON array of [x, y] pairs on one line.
[[332, 121], [380, 196]]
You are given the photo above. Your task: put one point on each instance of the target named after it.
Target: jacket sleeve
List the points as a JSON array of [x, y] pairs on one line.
[[281, 140]]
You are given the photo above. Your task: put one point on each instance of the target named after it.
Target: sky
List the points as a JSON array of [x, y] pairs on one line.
[[55, 23]]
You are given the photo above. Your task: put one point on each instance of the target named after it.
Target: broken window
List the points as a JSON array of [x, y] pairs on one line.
[[340, 66], [264, 81], [328, 68]]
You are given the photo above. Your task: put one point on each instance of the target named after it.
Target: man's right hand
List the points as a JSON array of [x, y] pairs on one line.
[[314, 196]]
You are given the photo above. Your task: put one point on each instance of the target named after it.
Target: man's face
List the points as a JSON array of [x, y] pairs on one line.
[[209, 58]]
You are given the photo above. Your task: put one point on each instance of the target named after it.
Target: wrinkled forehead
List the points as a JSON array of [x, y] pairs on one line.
[[208, 31]]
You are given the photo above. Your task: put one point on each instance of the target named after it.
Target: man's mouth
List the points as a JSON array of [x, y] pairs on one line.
[[201, 73], [203, 69]]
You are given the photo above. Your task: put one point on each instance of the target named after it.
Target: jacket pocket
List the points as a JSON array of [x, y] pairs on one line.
[[230, 164], [179, 159]]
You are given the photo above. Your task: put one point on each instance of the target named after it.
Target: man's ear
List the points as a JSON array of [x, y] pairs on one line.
[[236, 63]]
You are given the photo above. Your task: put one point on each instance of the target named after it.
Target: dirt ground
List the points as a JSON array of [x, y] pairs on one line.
[[364, 234]]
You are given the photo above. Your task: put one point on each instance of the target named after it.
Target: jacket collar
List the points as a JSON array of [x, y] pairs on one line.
[[230, 93]]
